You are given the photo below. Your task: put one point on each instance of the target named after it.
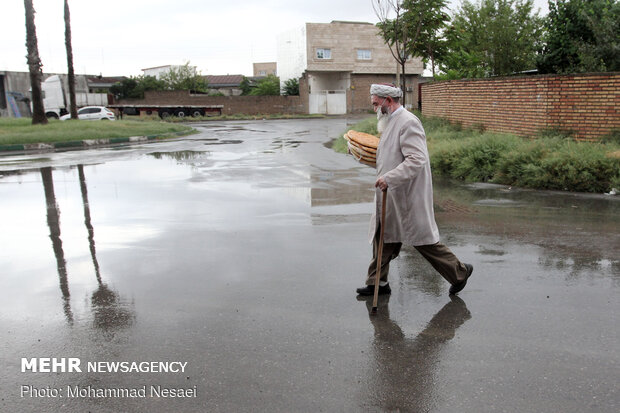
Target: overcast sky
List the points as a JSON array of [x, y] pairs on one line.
[[121, 37]]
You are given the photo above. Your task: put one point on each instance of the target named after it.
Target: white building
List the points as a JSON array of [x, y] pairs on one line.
[[157, 71]]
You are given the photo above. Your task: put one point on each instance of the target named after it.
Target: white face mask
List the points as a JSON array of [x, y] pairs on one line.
[[382, 120]]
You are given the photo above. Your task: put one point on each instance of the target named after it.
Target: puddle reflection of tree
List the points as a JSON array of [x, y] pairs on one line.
[[405, 367], [180, 156], [110, 312], [53, 221]]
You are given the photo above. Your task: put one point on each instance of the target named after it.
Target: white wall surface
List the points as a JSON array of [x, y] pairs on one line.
[[292, 59]]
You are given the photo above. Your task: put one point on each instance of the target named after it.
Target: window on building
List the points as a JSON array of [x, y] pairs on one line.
[[323, 53], [364, 54], [262, 73]]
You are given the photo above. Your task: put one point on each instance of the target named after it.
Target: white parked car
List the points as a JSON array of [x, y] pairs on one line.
[[92, 113]]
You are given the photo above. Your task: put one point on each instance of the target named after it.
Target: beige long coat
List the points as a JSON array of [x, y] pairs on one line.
[[403, 161]]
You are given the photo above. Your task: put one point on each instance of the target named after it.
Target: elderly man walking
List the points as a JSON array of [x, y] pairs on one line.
[[403, 167]]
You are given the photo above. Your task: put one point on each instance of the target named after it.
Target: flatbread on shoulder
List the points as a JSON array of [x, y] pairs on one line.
[[366, 160], [370, 153], [364, 148], [363, 139]]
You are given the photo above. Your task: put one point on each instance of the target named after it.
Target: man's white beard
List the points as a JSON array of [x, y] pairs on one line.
[[382, 120]]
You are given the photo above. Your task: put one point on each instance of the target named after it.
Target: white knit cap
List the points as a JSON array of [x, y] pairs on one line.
[[385, 89]]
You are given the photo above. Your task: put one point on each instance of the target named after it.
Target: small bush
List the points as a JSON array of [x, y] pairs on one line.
[[480, 156], [612, 137], [445, 155], [579, 166], [521, 165]]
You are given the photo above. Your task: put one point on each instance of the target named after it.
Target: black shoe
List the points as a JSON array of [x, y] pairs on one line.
[[370, 290], [461, 284]]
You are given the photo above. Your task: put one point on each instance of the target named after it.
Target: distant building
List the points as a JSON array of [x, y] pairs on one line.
[[265, 69], [101, 84], [338, 62], [15, 90], [14, 94], [228, 85], [157, 71]]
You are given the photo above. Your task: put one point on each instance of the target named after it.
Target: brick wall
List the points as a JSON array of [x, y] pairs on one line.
[[249, 105], [586, 104], [358, 97]]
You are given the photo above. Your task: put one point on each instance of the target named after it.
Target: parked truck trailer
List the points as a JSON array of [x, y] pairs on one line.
[[164, 111]]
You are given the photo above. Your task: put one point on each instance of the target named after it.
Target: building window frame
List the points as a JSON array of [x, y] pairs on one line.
[[323, 53], [364, 54]]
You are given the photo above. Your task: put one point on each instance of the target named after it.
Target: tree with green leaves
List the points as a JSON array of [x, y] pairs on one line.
[[432, 18], [412, 28], [581, 36], [492, 38], [34, 66], [134, 87], [185, 78], [182, 78], [396, 32], [245, 86], [268, 86], [291, 87]]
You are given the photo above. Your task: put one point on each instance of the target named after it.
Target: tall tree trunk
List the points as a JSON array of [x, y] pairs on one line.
[[34, 66], [70, 72], [431, 53], [403, 82], [403, 62]]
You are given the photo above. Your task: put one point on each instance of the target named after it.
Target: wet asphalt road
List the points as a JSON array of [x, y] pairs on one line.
[[238, 251]]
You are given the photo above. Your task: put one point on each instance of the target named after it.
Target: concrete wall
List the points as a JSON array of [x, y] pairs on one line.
[[18, 82], [291, 54], [250, 105], [328, 81], [586, 104]]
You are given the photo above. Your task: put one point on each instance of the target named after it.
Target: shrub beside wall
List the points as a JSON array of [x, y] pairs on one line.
[[585, 105]]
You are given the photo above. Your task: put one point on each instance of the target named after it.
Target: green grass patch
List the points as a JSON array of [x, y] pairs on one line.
[[21, 131], [549, 161]]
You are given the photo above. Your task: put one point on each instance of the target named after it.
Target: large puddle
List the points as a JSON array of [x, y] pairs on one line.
[[238, 250]]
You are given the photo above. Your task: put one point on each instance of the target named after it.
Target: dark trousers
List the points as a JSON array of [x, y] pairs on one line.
[[438, 255]]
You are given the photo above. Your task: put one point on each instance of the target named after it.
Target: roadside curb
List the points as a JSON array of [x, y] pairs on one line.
[[88, 143]]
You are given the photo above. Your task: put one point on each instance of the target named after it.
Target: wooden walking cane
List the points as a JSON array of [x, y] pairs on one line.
[[379, 254]]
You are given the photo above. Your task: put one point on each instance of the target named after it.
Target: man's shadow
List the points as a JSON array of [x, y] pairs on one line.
[[403, 369]]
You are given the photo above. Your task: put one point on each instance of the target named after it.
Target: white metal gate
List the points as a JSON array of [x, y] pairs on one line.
[[328, 102]]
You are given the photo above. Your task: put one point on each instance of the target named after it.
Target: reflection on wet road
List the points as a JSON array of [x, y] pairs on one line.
[[238, 250]]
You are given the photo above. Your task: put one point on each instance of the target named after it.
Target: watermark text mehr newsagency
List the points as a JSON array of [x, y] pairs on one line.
[[75, 365]]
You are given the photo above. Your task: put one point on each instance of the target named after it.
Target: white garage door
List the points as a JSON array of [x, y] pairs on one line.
[[328, 102]]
